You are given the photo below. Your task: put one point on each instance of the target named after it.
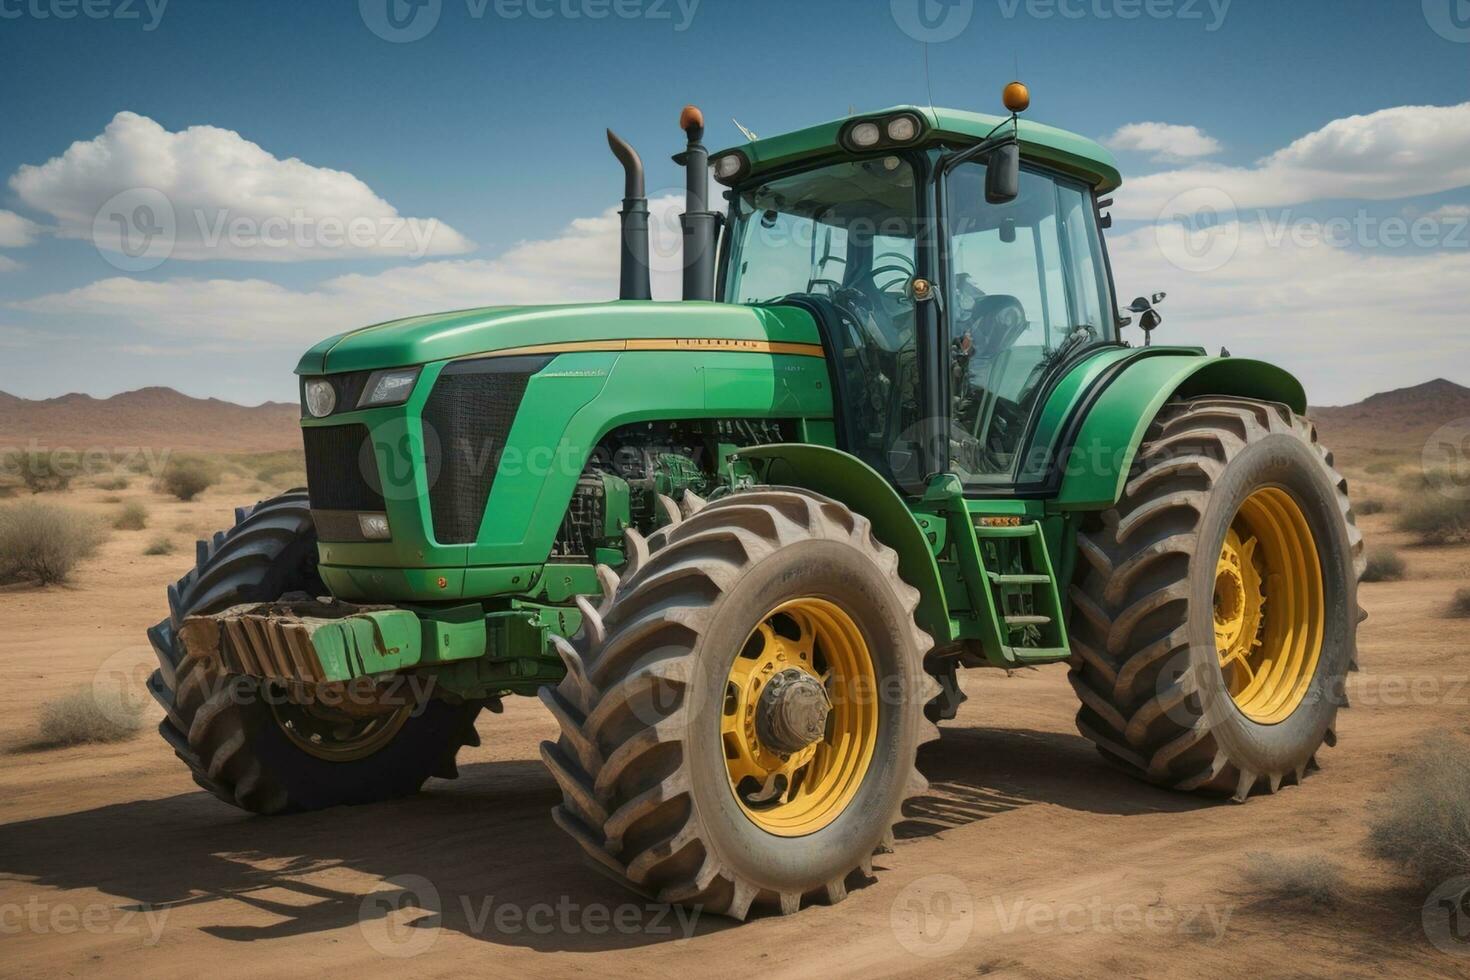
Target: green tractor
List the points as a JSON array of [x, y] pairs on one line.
[[742, 545]]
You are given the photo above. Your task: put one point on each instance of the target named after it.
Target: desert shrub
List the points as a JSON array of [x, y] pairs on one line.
[[1384, 566], [44, 542], [1434, 479], [113, 483], [188, 477], [86, 715], [133, 517], [1368, 506], [1460, 604], [159, 546], [1381, 466], [1290, 876], [1437, 519], [42, 472], [1423, 825], [112, 498]]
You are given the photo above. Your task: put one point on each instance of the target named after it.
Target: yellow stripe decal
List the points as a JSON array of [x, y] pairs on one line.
[[659, 343]]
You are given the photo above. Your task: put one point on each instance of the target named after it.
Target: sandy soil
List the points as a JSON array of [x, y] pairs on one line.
[[1030, 858]]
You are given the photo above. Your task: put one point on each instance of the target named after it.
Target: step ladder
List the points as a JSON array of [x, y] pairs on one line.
[[1025, 602]]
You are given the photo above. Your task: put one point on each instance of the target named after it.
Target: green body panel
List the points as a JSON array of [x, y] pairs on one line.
[[568, 407], [442, 336], [1067, 151], [1114, 427]]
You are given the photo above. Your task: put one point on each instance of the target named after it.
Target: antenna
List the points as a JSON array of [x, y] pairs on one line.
[[743, 131], [928, 86]]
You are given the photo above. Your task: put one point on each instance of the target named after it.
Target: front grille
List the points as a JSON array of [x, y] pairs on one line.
[[466, 420], [341, 469]]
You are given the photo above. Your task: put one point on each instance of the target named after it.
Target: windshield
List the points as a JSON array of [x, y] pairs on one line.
[[840, 239]]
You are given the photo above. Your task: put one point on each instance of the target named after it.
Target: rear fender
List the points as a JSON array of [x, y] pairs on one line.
[[1096, 466]]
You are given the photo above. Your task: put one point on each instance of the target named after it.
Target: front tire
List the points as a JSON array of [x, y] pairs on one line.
[[1214, 613], [656, 760], [237, 744]]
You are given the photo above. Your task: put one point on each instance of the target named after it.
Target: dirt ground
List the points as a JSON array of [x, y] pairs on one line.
[[1029, 858]]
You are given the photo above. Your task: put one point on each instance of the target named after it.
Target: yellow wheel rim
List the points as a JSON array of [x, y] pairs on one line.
[[804, 654], [1270, 607], [337, 737]]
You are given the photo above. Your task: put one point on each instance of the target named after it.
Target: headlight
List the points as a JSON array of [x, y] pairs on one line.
[[865, 134], [388, 387], [374, 527], [321, 397], [729, 166], [901, 129]]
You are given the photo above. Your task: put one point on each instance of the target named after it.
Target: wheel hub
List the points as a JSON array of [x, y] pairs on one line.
[[1269, 607], [792, 711], [800, 717]]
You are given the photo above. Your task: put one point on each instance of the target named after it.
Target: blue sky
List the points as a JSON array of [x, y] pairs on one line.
[[492, 124]]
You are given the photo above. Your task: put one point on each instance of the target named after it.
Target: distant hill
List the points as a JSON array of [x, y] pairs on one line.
[[157, 417], [1394, 422]]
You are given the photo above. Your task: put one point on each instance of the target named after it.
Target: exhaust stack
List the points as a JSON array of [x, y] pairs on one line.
[[633, 266], [699, 223]]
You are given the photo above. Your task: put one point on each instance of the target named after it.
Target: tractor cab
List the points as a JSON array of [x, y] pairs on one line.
[[954, 282]]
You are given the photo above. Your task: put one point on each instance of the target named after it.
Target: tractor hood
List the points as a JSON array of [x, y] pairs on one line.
[[495, 329]]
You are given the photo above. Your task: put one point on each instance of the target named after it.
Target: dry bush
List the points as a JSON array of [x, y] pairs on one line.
[[1437, 519], [1368, 506], [1293, 876], [1381, 466], [85, 716], [1460, 604], [1424, 824], [41, 472], [44, 542], [159, 546], [187, 477], [1384, 566], [113, 483], [133, 517]]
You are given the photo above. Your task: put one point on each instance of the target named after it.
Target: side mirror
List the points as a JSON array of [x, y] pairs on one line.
[[1148, 317], [1003, 174]]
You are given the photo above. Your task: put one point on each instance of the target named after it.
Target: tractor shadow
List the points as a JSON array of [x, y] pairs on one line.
[[478, 856], [976, 773]]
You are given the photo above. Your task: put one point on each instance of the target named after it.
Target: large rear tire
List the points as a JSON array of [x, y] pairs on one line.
[[683, 766], [224, 727], [1214, 611]]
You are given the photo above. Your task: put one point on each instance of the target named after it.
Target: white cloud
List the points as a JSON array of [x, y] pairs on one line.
[[578, 265], [14, 338], [1391, 154], [1449, 212], [1164, 142], [1347, 322], [211, 194], [8, 264], [15, 231]]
